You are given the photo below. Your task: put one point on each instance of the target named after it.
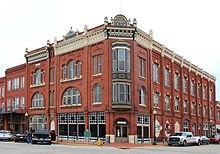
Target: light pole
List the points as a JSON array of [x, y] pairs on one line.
[[154, 113], [26, 118]]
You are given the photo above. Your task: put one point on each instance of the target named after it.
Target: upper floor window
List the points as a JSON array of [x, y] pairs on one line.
[[156, 99], [121, 92], [38, 100], [22, 102], [8, 104], [72, 71], [156, 72], [3, 92], [199, 90], [15, 83], [211, 95], [15, 103], [9, 85], [185, 84], [97, 93], [218, 115], [142, 96], [71, 97], [38, 77], [199, 109], [51, 103], [211, 112], [192, 87], [177, 104], [204, 92], [167, 102], [193, 108], [142, 67], [185, 106], [166, 77], [22, 82], [52, 74], [97, 64], [176, 81], [204, 111], [121, 60]]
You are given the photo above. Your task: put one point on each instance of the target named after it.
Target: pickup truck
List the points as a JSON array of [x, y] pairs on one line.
[[183, 138], [41, 136]]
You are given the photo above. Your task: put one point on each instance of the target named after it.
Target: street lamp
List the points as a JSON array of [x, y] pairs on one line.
[[154, 113], [26, 118]]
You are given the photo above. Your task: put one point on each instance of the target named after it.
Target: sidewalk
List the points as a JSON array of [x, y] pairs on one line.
[[115, 145]]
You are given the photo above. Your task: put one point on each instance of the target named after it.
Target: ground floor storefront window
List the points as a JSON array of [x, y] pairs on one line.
[[143, 128], [38, 122]]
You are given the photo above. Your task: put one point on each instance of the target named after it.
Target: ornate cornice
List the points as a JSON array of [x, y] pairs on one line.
[[37, 56]]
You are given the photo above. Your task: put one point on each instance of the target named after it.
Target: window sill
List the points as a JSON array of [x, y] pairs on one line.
[[66, 80], [37, 108], [40, 85], [144, 105], [97, 103], [71, 105]]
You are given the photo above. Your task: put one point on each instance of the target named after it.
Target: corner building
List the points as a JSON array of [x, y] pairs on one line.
[[110, 80]]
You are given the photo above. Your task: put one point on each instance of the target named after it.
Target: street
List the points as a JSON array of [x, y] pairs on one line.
[[24, 148]]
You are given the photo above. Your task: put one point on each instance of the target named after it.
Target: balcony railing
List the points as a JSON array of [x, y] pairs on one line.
[[12, 109]]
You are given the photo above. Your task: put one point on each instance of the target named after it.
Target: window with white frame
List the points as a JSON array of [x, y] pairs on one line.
[[38, 77], [121, 60], [177, 104], [22, 82], [8, 104], [211, 111], [194, 129], [97, 64], [9, 85], [193, 107], [64, 72], [156, 72], [38, 100], [176, 81], [15, 83], [199, 109], [185, 106], [204, 92], [97, 93], [121, 92], [185, 84], [167, 77], [71, 69], [156, 99], [142, 96], [192, 87], [204, 111], [22, 102], [15, 103], [71, 97], [186, 126], [3, 92], [211, 95], [167, 102], [199, 90], [142, 67], [218, 115]]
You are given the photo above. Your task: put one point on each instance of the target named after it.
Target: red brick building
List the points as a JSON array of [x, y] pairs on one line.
[[109, 80]]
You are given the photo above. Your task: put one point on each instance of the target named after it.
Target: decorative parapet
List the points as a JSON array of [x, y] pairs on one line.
[[147, 41], [79, 41], [36, 56]]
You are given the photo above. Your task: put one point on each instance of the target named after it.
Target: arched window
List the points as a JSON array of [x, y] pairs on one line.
[[71, 97], [38, 100], [142, 96], [71, 69], [97, 93], [186, 125], [64, 76]]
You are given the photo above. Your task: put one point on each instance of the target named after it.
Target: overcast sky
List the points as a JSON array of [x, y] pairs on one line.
[[191, 28]]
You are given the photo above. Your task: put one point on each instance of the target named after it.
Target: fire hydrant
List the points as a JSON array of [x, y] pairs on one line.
[[99, 142]]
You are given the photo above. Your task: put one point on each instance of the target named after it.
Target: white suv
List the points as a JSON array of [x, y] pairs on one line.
[[5, 135]]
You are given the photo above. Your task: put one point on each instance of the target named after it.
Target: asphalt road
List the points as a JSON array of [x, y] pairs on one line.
[[24, 148]]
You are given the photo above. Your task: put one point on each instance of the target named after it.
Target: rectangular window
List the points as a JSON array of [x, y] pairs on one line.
[[185, 106], [185, 84], [3, 92], [176, 81], [156, 99], [121, 92], [22, 102], [52, 75], [22, 82], [218, 114], [15, 83], [51, 98], [204, 93], [9, 85], [97, 64], [211, 95], [199, 109], [193, 108], [166, 77], [204, 111], [177, 108], [192, 87], [142, 67], [199, 90], [167, 102], [9, 105], [156, 72]]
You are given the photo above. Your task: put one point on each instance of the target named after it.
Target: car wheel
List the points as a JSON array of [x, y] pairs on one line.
[[184, 143], [199, 143]]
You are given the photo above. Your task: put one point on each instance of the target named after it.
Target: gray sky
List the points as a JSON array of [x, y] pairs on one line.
[[191, 28]]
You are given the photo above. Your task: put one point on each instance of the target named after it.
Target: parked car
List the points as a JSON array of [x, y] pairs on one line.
[[5, 135], [183, 138], [20, 138], [204, 140], [215, 139], [41, 136]]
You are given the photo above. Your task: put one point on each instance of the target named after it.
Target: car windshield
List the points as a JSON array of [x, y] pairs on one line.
[[178, 134]]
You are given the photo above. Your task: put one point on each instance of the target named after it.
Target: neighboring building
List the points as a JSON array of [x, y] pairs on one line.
[[109, 80], [217, 117]]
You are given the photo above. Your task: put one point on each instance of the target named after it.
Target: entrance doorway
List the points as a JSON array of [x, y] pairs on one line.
[[121, 131]]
